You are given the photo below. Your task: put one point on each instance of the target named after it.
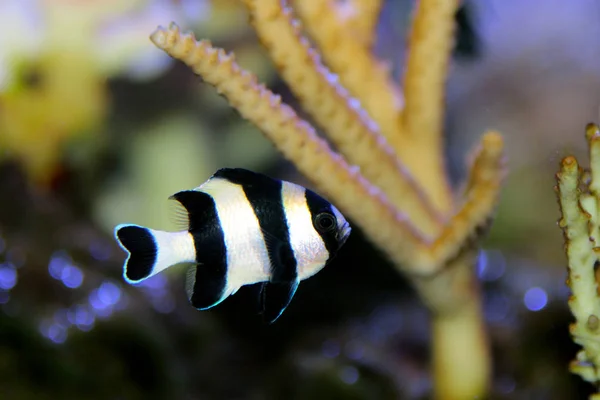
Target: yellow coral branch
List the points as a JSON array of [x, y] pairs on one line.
[[365, 17], [365, 77], [579, 247], [348, 127], [430, 45], [461, 368], [358, 18], [485, 180], [579, 204], [298, 142], [592, 134], [475, 214]]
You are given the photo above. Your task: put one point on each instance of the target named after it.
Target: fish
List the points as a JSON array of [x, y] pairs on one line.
[[243, 228]]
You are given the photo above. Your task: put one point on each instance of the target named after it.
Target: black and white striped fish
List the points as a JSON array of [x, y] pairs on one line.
[[243, 228]]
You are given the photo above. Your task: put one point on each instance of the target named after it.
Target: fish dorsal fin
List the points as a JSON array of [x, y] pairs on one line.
[[244, 177], [275, 297], [199, 207], [178, 215], [206, 285]]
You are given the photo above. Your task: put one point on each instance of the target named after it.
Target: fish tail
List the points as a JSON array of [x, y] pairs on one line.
[[151, 251]]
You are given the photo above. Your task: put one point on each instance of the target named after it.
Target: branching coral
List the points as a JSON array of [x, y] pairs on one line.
[[579, 199], [388, 175]]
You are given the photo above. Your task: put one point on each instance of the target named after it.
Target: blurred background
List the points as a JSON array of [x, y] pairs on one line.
[[98, 127]]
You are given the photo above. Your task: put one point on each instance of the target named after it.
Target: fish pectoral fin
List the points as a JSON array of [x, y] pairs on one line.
[[206, 285], [275, 297]]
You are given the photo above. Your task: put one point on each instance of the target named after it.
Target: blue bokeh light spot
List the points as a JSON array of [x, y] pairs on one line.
[[71, 276], [109, 293], [95, 301], [57, 334], [58, 262], [8, 276], [101, 309], [535, 299], [53, 331], [491, 265], [82, 317]]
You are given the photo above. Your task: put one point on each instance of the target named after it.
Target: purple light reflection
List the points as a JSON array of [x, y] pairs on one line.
[[100, 250], [82, 317], [109, 293], [8, 276], [491, 265], [58, 262], [155, 283], [56, 333], [71, 276], [61, 268], [100, 308], [535, 299]]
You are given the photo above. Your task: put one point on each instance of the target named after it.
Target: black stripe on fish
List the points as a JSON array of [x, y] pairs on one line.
[[318, 205], [207, 282], [265, 196]]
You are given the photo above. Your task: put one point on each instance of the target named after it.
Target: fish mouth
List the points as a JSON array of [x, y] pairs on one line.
[[344, 234]]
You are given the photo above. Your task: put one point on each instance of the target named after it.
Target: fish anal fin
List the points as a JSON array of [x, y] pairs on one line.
[[275, 297], [206, 285]]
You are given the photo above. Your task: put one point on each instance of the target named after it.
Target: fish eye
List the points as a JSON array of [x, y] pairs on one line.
[[325, 222]]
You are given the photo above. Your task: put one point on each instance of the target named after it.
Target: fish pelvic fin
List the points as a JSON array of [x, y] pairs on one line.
[[151, 251], [276, 297]]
